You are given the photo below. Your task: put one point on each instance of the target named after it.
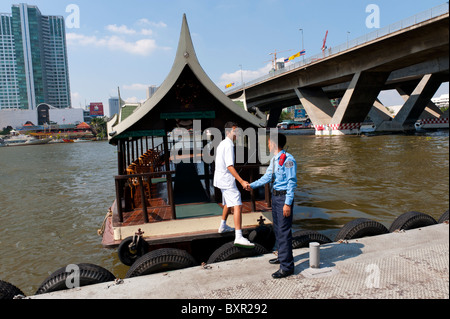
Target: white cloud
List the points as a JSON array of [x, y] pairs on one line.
[[123, 29], [136, 87], [120, 39], [80, 40], [146, 22], [248, 75], [78, 100], [147, 32], [75, 95], [143, 47], [134, 99]]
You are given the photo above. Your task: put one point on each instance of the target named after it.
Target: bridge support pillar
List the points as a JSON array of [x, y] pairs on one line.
[[357, 102], [379, 113], [415, 104], [317, 105], [431, 110]]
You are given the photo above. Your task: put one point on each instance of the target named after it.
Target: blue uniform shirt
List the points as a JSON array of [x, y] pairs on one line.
[[285, 176]]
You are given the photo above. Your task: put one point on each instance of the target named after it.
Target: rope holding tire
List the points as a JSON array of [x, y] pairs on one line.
[[127, 255]]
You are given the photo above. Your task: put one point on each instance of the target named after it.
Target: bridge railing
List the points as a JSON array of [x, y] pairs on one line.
[[394, 27]]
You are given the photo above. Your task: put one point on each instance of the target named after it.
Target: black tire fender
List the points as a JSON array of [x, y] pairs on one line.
[[359, 228], [9, 291], [443, 218], [263, 235], [128, 257], [302, 238], [164, 259], [89, 274], [412, 220], [229, 252]]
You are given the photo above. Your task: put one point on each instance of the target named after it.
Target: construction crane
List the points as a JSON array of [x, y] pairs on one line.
[[274, 58], [324, 45]]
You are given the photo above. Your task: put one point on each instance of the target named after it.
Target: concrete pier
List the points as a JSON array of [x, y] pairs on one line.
[[408, 265]]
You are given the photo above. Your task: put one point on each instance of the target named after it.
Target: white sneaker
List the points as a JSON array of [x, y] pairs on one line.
[[225, 229], [243, 243]]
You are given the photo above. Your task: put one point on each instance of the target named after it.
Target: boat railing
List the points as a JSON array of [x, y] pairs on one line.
[[144, 181], [137, 188], [134, 150]]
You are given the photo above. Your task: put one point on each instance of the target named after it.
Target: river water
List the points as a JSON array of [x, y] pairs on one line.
[[53, 198]]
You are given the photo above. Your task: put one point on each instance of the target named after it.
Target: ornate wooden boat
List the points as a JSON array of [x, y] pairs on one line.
[[165, 202]]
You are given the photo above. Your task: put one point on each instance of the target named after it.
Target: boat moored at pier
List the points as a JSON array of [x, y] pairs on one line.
[[166, 208]]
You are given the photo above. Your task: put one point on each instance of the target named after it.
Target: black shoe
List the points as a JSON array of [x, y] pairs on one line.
[[281, 274], [274, 261]]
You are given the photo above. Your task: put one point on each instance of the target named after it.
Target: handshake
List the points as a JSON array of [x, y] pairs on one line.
[[246, 186]]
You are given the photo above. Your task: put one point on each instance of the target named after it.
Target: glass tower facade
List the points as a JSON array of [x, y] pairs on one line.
[[56, 67], [40, 59], [9, 89]]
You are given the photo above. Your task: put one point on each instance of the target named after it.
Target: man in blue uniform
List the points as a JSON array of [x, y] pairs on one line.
[[282, 172]]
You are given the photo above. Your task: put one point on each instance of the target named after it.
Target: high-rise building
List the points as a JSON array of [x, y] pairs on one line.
[[113, 106], [33, 59], [9, 89], [151, 90], [441, 101]]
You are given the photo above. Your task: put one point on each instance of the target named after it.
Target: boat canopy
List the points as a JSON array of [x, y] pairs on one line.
[[186, 94]]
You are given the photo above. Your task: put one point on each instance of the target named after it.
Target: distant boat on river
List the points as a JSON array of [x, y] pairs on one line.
[[20, 140], [78, 140]]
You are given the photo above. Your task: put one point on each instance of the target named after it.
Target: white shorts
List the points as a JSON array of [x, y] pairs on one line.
[[231, 197]]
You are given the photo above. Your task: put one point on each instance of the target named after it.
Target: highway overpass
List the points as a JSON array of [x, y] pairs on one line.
[[411, 56]]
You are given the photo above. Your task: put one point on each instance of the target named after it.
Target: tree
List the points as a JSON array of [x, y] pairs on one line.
[[286, 116], [6, 130], [98, 126]]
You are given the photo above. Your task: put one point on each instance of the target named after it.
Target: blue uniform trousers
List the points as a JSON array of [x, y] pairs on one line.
[[283, 233]]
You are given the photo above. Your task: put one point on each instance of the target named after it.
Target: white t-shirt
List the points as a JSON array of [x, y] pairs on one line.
[[224, 158]]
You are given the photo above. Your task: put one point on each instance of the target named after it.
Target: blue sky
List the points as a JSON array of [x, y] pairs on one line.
[[131, 44]]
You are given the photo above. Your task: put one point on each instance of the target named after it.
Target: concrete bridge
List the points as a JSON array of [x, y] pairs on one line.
[[412, 57]]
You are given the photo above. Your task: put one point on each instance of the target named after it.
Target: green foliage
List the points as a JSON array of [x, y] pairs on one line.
[[6, 130], [98, 126], [286, 116]]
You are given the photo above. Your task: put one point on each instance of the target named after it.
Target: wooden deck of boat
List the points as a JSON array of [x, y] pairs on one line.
[[160, 212], [157, 214]]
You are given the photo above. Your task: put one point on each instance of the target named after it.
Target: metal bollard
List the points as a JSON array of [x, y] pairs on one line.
[[314, 255]]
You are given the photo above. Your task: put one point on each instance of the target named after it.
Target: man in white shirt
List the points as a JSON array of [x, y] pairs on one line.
[[225, 176]]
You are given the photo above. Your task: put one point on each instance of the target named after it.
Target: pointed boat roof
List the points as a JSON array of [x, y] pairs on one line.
[[187, 92]]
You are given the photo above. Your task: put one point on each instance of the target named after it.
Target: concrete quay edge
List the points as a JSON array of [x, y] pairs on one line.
[[413, 264]]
